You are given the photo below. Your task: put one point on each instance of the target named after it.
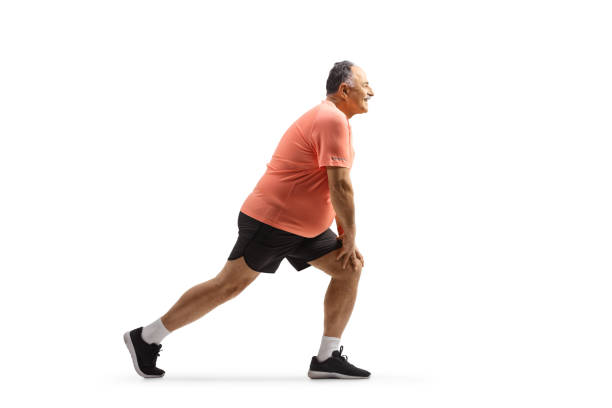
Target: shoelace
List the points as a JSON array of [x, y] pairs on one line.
[[155, 349], [345, 357]]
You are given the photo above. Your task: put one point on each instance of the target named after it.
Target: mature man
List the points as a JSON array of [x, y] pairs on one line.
[[288, 215]]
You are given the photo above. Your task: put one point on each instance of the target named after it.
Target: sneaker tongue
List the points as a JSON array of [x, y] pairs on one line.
[[337, 354], [151, 356]]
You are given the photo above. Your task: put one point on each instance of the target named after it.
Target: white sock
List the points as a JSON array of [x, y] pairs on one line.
[[155, 332], [328, 344]]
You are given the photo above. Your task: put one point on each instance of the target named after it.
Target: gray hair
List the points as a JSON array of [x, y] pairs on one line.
[[341, 72]]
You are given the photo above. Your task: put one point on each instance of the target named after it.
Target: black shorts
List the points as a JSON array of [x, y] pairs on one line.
[[264, 247]]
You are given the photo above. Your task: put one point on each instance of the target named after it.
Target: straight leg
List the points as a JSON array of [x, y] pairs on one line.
[[194, 303], [204, 297]]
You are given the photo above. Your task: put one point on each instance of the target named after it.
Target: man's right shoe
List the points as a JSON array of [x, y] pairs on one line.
[[337, 366], [144, 355]]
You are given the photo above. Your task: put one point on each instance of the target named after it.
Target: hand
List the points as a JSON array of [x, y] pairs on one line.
[[359, 256], [349, 251]]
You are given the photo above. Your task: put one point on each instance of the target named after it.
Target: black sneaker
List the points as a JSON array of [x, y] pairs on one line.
[[144, 355], [337, 366]]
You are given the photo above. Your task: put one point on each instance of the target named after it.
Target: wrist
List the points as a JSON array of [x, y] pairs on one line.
[[350, 232]]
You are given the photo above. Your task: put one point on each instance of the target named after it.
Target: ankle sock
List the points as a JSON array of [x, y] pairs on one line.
[[155, 332], [328, 344]]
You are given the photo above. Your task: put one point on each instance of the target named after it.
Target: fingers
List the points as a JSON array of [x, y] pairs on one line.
[[360, 257], [353, 258], [349, 258], [343, 261]]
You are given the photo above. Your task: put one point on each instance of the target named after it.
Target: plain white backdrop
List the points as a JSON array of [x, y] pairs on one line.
[[132, 131]]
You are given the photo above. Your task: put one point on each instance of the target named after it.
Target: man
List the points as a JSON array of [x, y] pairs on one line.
[[288, 215]]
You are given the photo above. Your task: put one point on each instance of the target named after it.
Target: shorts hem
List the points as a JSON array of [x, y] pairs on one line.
[[302, 268], [248, 264]]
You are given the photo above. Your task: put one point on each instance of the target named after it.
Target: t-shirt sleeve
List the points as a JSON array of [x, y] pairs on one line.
[[332, 142]]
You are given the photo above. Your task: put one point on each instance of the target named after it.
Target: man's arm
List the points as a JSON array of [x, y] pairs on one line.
[[341, 194]]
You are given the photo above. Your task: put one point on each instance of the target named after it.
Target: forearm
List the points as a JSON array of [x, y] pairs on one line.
[[344, 206]]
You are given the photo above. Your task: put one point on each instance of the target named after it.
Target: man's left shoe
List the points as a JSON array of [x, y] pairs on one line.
[[337, 366]]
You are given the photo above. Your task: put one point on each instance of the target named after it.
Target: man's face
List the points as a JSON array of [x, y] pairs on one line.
[[360, 92]]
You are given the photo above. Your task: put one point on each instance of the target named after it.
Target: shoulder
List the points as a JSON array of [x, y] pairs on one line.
[[330, 118]]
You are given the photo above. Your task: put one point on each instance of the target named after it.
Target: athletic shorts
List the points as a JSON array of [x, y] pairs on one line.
[[264, 247]]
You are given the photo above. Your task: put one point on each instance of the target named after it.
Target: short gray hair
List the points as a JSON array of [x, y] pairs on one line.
[[341, 72]]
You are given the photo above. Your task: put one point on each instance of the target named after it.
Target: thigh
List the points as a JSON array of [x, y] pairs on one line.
[[328, 264], [236, 271], [314, 248], [262, 246]]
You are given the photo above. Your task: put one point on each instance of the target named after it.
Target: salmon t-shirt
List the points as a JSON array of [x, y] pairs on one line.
[[293, 194]]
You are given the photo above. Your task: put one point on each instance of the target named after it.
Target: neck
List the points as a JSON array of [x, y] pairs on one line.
[[340, 104]]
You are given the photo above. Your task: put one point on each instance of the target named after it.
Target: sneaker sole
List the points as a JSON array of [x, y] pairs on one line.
[[128, 342], [325, 374]]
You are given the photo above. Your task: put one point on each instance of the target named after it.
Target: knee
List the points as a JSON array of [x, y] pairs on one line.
[[350, 272], [356, 270]]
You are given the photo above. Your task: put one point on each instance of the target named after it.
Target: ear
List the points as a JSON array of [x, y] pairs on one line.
[[343, 91]]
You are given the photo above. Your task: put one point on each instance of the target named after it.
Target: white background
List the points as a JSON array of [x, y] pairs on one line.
[[132, 131]]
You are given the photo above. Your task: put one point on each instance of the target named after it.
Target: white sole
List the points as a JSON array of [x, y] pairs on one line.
[[128, 342], [324, 374]]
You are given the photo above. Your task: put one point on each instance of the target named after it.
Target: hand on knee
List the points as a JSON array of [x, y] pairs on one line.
[[351, 272]]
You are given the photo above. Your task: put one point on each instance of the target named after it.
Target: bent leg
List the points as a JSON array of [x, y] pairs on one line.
[[341, 293], [201, 299]]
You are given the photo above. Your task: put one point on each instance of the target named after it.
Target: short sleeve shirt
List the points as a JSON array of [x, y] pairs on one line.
[[293, 194]]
